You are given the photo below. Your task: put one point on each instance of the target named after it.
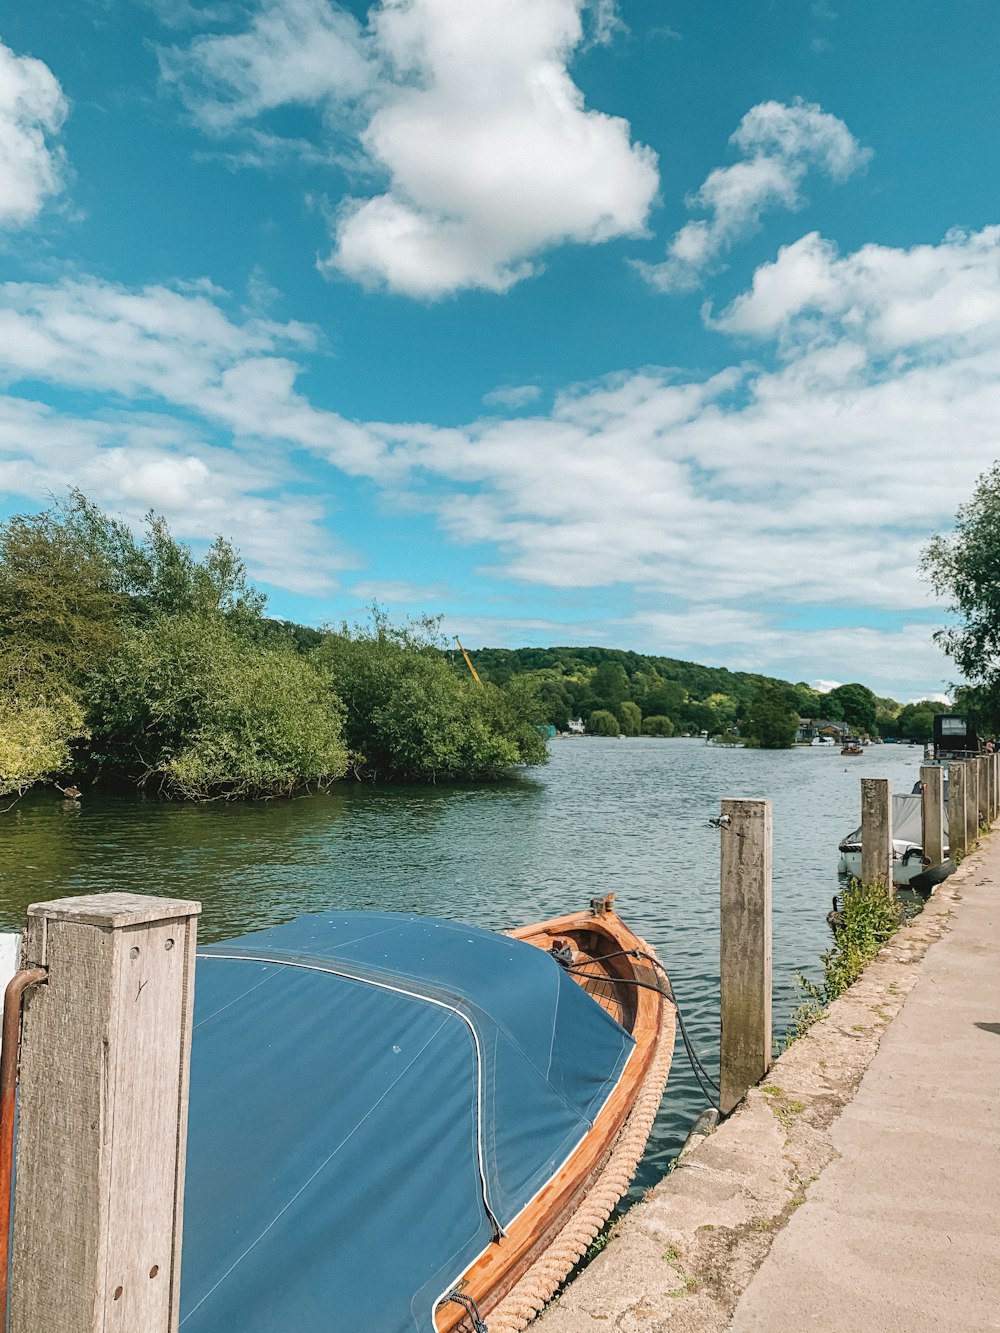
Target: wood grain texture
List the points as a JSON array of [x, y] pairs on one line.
[[745, 947], [932, 812], [645, 1013], [103, 1116], [876, 831], [958, 831]]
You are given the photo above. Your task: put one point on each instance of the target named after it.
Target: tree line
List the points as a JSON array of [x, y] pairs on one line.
[[616, 692], [126, 660]]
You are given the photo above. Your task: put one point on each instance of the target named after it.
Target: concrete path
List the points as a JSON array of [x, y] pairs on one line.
[[902, 1229], [857, 1187]]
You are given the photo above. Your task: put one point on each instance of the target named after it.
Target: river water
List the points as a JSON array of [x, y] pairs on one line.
[[624, 815]]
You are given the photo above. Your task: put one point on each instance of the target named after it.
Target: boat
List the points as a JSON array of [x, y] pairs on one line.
[[851, 747], [909, 866], [401, 1124]]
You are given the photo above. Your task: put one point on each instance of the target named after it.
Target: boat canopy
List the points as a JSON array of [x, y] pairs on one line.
[[375, 1096], [907, 824]]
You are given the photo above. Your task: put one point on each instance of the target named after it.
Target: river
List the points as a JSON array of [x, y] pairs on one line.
[[624, 815]]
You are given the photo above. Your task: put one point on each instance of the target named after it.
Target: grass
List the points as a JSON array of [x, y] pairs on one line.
[[870, 916]]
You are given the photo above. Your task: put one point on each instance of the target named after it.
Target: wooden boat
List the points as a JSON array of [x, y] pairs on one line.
[[401, 1124], [521, 1271], [852, 749]]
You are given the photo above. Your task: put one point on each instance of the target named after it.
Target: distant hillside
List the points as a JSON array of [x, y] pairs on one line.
[[669, 695]]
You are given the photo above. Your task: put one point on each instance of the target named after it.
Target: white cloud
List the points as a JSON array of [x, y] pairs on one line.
[[469, 115], [512, 396], [306, 52], [32, 111], [779, 144]]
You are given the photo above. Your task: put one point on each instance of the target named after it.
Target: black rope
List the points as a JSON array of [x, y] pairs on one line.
[[471, 1309], [702, 1076]]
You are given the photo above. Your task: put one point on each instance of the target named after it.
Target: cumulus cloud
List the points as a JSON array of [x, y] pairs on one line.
[[778, 144], [32, 111], [512, 396], [467, 112]]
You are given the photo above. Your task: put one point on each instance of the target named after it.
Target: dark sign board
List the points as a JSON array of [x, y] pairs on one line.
[[953, 735]]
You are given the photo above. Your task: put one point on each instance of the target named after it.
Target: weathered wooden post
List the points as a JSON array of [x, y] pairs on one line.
[[983, 780], [103, 1115], [971, 803], [958, 829], [995, 784], [876, 831], [932, 813], [745, 955]]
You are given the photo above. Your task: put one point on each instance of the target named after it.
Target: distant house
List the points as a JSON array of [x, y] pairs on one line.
[[811, 729], [576, 727]]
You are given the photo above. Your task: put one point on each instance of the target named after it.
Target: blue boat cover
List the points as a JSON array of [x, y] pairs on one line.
[[374, 1097]]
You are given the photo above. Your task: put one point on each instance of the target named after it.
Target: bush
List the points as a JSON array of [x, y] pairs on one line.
[[410, 715], [192, 709], [657, 726], [36, 739]]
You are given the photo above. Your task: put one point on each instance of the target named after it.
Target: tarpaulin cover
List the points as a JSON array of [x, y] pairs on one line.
[[907, 828], [372, 1095]]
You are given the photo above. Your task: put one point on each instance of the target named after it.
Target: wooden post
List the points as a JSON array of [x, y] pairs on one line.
[[745, 957], [103, 1115], [982, 767], [958, 839], [971, 803], [995, 785], [932, 813], [876, 831]]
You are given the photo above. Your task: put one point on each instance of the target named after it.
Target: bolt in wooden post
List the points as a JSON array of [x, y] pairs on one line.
[[971, 803], [932, 813], [745, 956], [958, 831], [876, 831], [103, 1116]]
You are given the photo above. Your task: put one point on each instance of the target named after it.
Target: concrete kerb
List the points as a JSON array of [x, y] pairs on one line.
[[681, 1259]]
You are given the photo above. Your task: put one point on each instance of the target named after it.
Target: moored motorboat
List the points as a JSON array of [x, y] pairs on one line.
[[908, 861], [403, 1123]]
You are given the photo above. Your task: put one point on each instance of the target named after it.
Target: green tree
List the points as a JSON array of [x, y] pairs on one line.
[[610, 686], [604, 723], [36, 739], [657, 726], [631, 718], [769, 722], [191, 708], [964, 568], [858, 705], [411, 715]]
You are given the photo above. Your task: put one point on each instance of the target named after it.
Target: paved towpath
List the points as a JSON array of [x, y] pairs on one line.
[[857, 1189], [902, 1230]]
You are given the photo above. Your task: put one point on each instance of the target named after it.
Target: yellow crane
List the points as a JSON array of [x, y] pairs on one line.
[[468, 662]]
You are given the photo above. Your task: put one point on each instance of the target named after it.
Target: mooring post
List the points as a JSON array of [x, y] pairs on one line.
[[971, 803], [983, 781], [876, 831], [745, 954], [958, 829], [995, 785], [932, 813], [105, 1055]]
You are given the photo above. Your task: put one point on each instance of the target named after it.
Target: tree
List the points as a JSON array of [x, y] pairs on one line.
[[631, 717], [769, 721], [858, 705], [193, 709], [657, 726], [412, 716], [604, 723], [964, 568]]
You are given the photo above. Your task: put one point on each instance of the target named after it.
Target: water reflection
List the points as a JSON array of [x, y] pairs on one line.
[[628, 816]]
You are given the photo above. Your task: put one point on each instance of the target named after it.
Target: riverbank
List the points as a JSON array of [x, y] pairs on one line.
[[856, 1187]]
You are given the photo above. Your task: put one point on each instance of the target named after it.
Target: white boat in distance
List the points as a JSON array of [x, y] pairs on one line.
[[907, 845]]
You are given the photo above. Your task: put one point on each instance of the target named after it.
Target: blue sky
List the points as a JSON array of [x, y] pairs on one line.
[[672, 327]]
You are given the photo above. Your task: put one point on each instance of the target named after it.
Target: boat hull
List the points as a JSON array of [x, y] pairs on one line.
[[519, 1273]]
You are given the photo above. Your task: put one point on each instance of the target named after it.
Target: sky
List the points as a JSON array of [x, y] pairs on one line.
[[669, 326]]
